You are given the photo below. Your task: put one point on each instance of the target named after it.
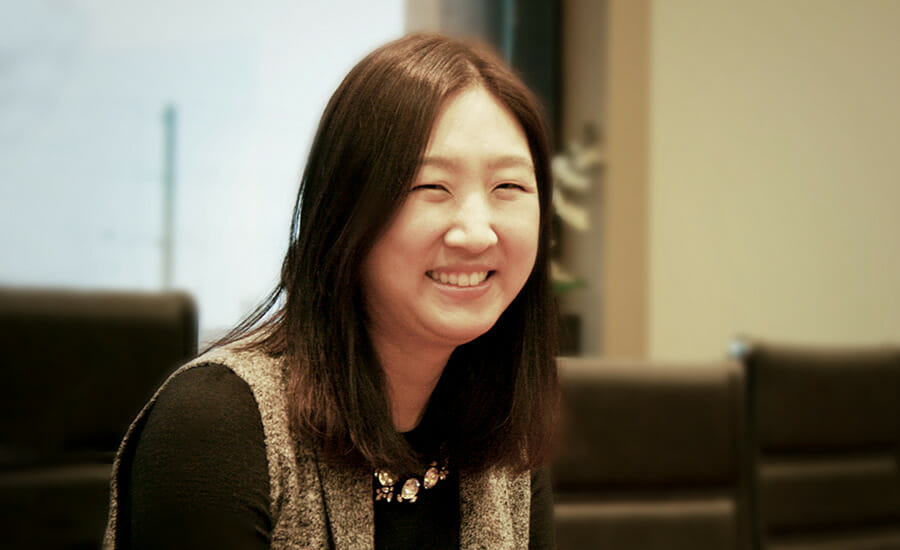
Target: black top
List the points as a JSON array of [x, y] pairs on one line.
[[198, 478], [432, 521]]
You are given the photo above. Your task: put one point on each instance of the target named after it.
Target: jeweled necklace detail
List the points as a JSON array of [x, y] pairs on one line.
[[409, 491]]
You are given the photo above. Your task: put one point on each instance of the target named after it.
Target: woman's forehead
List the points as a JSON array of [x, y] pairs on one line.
[[474, 126]]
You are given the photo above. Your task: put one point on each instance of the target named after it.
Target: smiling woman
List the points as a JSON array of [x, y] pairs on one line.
[[399, 388], [462, 245]]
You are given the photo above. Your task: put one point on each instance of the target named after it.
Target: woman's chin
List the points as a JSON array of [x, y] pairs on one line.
[[459, 333]]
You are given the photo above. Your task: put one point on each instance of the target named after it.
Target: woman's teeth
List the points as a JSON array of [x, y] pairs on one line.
[[458, 279]]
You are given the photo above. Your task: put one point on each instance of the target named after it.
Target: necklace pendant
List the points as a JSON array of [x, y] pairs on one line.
[[384, 477], [431, 477], [410, 490], [386, 480]]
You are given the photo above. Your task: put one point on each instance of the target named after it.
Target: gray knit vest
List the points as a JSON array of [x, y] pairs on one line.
[[317, 504]]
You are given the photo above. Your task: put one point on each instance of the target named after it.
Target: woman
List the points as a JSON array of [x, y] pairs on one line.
[[398, 389]]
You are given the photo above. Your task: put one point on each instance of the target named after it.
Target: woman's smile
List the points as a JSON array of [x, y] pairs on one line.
[[459, 278], [462, 286]]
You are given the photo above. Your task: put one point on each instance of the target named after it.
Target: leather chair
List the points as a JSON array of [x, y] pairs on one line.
[[651, 456], [824, 428], [76, 367]]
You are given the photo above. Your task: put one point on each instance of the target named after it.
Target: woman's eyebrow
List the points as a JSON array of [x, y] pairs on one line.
[[447, 163], [495, 163], [511, 161]]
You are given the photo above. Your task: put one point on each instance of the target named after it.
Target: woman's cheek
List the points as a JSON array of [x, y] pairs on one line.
[[526, 226]]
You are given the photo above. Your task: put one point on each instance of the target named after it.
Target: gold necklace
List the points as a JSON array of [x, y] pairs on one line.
[[409, 491]]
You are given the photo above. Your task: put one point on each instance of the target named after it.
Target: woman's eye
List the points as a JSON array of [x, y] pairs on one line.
[[513, 186], [431, 186]]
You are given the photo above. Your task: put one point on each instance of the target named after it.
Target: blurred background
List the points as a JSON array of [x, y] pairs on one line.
[[150, 146], [746, 183]]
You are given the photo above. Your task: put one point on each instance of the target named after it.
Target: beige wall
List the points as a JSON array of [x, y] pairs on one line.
[[774, 186], [625, 221]]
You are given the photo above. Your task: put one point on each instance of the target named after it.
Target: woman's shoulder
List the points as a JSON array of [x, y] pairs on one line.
[[199, 457], [248, 376], [208, 383], [261, 371], [223, 384], [204, 400]]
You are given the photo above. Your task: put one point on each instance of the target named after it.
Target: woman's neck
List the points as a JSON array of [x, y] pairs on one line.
[[411, 374]]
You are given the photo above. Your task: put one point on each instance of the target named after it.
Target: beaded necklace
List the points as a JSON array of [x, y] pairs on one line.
[[409, 491]]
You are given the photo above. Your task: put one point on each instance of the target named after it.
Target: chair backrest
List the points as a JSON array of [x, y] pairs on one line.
[[78, 366], [824, 429], [651, 456]]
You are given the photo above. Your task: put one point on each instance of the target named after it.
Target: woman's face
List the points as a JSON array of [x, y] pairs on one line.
[[465, 240]]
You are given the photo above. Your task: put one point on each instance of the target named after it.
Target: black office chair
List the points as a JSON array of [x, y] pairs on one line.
[[651, 456], [824, 428], [76, 368]]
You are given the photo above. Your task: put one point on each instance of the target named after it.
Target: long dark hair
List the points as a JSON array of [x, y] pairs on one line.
[[496, 402]]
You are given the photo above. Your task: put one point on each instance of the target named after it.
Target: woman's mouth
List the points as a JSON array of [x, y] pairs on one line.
[[459, 279]]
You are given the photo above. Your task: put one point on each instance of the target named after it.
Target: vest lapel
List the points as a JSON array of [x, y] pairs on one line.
[[349, 506], [485, 516]]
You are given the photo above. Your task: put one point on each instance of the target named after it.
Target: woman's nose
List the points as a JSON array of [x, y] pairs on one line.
[[473, 228]]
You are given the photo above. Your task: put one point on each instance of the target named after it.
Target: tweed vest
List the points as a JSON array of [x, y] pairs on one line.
[[316, 504]]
